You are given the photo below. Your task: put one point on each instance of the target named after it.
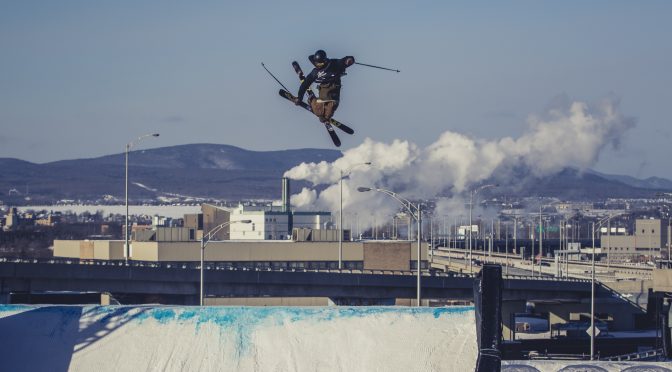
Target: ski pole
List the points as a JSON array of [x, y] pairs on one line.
[[382, 68], [276, 79]]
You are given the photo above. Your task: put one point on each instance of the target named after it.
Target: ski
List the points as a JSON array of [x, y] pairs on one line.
[[330, 129], [334, 122]]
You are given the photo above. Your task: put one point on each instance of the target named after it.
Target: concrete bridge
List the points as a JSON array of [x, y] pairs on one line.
[[179, 282]]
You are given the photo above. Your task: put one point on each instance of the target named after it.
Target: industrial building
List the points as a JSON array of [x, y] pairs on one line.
[[266, 222], [269, 224], [649, 237], [368, 255], [273, 237]]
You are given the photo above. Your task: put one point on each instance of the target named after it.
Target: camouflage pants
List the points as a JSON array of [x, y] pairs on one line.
[[326, 105], [323, 110]]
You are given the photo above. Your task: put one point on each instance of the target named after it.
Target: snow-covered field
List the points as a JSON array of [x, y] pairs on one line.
[[173, 211], [165, 338]]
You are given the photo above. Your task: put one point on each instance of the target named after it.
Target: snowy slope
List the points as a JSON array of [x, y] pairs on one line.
[[160, 338]]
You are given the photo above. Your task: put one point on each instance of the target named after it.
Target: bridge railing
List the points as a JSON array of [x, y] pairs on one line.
[[546, 278], [190, 265], [247, 266]]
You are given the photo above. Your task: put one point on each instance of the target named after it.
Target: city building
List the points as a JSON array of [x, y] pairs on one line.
[[12, 219], [49, 220]]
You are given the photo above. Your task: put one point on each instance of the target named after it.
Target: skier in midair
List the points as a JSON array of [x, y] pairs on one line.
[[327, 74]]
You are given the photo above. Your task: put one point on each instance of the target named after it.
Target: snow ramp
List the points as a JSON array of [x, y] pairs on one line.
[[169, 338]]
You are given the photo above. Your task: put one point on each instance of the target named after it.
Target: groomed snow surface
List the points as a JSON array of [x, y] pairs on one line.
[[162, 338]]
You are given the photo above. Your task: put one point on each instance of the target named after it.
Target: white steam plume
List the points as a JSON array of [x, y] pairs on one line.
[[572, 135]]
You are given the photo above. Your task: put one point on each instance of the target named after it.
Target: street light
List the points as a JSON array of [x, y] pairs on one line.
[[344, 174], [205, 240], [418, 217], [471, 205], [592, 285], [128, 149]]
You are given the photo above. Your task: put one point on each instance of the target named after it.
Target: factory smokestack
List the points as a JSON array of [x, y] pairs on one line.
[[285, 194]]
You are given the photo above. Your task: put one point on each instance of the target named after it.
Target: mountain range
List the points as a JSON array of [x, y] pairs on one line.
[[222, 172], [176, 173]]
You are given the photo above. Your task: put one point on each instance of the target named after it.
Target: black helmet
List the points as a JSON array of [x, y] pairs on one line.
[[319, 58]]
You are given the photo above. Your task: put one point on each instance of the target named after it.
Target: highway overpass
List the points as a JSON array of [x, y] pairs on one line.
[[176, 282]]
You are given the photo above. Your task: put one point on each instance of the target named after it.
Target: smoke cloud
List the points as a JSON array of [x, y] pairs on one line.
[[571, 134]]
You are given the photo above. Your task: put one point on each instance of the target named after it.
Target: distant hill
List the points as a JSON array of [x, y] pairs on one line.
[[647, 183], [571, 184], [184, 173], [196, 170]]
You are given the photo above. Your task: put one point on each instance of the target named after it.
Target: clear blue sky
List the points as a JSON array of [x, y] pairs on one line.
[[82, 78]]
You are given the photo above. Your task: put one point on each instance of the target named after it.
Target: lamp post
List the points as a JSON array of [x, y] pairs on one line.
[[592, 287], [515, 234], [344, 174], [415, 212], [506, 249], [592, 300], [128, 149], [204, 241], [472, 193]]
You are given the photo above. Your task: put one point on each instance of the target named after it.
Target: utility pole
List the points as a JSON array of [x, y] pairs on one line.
[[541, 236], [608, 243], [558, 261], [506, 249]]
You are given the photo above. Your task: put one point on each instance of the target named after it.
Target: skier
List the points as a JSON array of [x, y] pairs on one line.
[[327, 74]]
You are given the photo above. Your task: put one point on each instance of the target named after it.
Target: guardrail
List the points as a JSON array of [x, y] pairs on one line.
[[543, 277], [632, 269], [636, 356], [214, 266], [547, 278]]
